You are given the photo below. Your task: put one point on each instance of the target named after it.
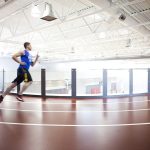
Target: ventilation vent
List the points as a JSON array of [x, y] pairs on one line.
[[82, 10]]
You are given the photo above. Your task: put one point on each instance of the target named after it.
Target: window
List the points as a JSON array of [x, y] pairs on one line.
[[118, 82], [89, 83], [140, 81]]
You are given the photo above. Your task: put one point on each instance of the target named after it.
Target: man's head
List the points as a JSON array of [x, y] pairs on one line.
[[27, 46]]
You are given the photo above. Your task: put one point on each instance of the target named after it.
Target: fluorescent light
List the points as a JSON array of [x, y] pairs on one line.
[[35, 12]]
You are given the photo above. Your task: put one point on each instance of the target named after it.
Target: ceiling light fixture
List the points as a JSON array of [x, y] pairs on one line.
[[35, 12], [48, 14]]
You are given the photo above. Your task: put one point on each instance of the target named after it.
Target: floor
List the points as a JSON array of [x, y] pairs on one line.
[[65, 124]]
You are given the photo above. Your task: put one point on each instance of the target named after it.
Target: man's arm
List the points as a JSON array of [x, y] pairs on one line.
[[15, 57], [36, 59]]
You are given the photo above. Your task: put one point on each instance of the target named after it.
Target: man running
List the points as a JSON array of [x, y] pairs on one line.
[[23, 71]]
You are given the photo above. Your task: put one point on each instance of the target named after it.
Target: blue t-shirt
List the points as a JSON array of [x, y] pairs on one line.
[[27, 58]]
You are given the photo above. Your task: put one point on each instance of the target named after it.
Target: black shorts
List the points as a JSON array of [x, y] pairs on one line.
[[22, 75]]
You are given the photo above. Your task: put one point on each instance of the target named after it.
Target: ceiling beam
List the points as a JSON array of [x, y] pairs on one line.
[[47, 25], [140, 12], [126, 27]]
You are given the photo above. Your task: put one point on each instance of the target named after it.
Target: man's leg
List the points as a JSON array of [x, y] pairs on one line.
[[9, 88], [7, 91], [25, 86]]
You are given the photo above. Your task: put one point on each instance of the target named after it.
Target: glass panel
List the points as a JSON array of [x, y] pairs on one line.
[[9, 77], [1, 80], [118, 82], [58, 83], [140, 81], [89, 82], [35, 87]]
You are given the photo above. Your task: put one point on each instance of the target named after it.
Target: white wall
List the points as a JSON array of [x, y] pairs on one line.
[[9, 64]]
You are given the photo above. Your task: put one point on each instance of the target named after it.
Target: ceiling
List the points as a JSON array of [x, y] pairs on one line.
[[84, 30]]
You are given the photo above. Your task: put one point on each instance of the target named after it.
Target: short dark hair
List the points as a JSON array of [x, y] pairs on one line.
[[26, 44]]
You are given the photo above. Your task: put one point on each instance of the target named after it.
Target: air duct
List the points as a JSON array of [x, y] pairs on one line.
[[48, 14]]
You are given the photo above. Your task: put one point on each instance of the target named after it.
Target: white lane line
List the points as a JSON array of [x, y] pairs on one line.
[[77, 103], [76, 111], [65, 125]]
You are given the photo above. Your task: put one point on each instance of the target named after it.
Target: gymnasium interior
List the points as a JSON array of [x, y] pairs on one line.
[[91, 83]]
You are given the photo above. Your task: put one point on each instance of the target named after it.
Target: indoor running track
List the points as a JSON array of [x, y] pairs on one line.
[[65, 124]]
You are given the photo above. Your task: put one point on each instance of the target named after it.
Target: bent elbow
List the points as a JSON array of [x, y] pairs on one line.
[[13, 57]]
